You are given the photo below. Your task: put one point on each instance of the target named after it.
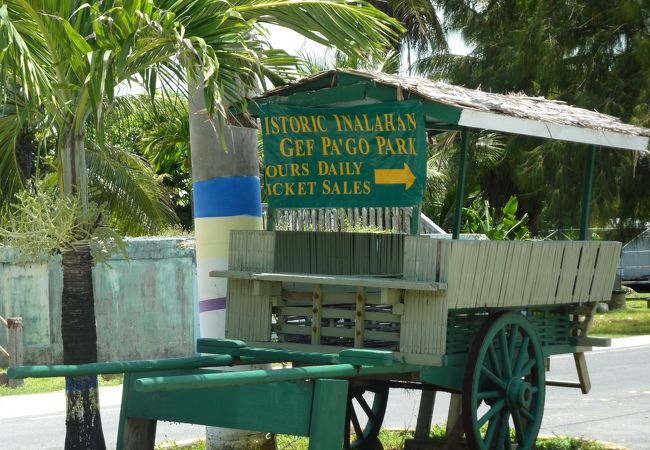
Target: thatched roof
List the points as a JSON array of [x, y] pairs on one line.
[[514, 113]]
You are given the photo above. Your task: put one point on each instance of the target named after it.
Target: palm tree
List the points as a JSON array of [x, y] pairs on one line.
[[65, 60]]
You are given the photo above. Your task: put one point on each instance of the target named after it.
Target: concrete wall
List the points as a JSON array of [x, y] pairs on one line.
[[635, 258], [144, 305]]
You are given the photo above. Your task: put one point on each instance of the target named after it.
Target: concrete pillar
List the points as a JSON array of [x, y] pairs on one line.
[[226, 186]]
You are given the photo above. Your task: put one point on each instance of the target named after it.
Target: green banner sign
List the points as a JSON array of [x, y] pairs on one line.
[[370, 156]]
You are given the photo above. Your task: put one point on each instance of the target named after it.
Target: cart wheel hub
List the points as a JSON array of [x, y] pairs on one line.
[[519, 393]]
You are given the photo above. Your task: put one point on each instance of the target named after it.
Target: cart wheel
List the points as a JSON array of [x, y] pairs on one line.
[[505, 372], [365, 413]]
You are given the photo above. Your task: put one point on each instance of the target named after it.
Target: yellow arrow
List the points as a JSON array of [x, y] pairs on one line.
[[395, 176]]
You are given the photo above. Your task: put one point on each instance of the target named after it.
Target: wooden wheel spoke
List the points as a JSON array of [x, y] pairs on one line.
[[508, 443], [346, 429], [491, 432], [494, 409], [504, 429], [355, 423], [364, 405], [527, 367], [524, 412], [521, 357], [512, 344], [519, 425], [505, 354], [494, 360], [493, 378]]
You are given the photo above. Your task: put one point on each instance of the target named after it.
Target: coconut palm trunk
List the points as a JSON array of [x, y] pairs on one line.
[[79, 333]]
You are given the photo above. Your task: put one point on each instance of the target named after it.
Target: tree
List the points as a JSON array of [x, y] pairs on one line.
[[65, 60]]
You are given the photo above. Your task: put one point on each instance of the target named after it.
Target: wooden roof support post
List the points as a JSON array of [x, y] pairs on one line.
[[460, 190], [586, 194]]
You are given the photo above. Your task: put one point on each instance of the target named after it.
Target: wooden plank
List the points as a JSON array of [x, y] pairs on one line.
[[16, 348], [585, 272], [568, 273], [464, 293], [455, 277], [554, 274], [531, 275], [341, 332], [391, 296], [316, 321], [331, 280], [330, 297], [511, 275], [541, 284], [359, 320], [605, 270], [498, 269], [408, 358], [337, 313]]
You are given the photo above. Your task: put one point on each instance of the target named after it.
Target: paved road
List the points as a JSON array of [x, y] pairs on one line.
[[616, 410]]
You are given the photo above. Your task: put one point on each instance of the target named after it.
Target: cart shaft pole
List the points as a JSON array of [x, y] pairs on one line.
[[228, 379], [120, 367]]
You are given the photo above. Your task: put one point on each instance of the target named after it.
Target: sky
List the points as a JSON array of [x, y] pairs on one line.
[[294, 43]]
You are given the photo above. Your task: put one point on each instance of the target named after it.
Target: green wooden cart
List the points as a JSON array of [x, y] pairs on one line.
[[358, 313]]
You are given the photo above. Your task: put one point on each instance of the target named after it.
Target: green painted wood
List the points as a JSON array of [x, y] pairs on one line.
[[367, 357], [385, 283], [415, 220], [119, 367], [586, 193], [588, 341], [273, 407], [460, 189], [205, 380], [206, 345], [338, 253], [326, 429], [441, 113]]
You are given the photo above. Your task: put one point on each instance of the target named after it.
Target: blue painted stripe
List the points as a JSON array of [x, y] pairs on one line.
[[228, 196], [80, 383]]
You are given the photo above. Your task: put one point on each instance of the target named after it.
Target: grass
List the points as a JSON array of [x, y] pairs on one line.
[[40, 385], [634, 320], [394, 440]]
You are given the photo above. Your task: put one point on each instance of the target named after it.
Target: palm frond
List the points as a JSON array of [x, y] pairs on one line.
[[125, 184]]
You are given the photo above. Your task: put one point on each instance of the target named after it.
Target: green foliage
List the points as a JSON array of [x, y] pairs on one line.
[[594, 54], [568, 443], [155, 132], [481, 218], [359, 227], [486, 152], [43, 223]]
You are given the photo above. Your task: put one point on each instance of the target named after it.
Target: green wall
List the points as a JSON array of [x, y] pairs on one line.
[[144, 305]]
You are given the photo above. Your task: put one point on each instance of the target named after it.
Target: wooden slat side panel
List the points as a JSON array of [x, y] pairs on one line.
[[605, 272], [585, 272], [509, 274], [248, 316], [569, 271], [251, 250], [424, 323]]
